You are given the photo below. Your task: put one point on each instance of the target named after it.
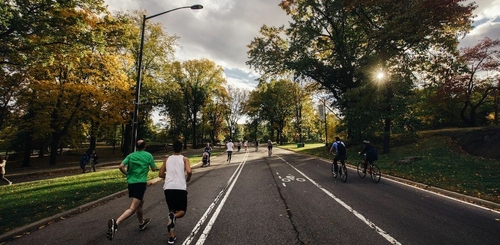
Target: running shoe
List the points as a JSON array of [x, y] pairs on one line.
[[144, 223], [112, 228], [171, 240]]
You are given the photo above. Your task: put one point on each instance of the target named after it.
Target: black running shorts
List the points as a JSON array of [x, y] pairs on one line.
[[176, 199], [137, 190]]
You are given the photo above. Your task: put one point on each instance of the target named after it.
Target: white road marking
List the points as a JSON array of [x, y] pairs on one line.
[[356, 213], [225, 192]]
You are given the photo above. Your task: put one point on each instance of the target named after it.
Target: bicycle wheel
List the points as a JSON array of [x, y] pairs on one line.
[[375, 173], [360, 170], [333, 172], [343, 173]]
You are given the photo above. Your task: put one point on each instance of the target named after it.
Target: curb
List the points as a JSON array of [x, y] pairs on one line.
[[465, 198]]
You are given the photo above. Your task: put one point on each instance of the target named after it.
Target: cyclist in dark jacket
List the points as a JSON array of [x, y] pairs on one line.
[[339, 156], [371, 154]]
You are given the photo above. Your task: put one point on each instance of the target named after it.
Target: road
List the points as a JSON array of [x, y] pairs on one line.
[[287, 198]]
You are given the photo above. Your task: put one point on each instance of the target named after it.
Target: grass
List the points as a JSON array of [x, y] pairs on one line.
[[25, 203]]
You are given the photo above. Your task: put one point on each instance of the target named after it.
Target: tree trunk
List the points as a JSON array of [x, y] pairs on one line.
[[53, 148], [388, 120], [27, 151], [496, 104], [387, 135], [93, 134], [127, 139], [193, 124]]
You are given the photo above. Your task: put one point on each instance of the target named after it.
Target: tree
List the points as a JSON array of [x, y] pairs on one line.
[[301, 97], [271, 102], [337, 43], [71, 73], [214, 113], [237, 98], [197, 80], [474, 83]]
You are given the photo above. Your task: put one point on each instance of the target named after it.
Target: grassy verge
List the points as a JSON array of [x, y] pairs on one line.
[[28, 202], [440, 163]]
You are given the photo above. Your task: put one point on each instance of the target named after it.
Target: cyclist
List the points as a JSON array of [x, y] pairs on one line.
[[269, 147], [370, 152], [229, 150], [340, 154]]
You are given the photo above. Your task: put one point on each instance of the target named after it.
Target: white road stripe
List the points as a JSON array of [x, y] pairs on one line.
[[226, 191], [356, 213]]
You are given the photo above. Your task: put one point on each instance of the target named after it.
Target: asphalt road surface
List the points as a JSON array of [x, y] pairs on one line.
[[287, 198]]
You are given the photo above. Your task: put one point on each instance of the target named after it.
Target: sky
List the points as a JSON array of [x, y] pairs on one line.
[[222, 30]]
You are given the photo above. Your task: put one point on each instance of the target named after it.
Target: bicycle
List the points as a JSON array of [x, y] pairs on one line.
[[342, 171], [372, 169]]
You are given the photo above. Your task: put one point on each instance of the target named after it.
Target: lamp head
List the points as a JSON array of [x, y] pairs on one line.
[[197, 6]]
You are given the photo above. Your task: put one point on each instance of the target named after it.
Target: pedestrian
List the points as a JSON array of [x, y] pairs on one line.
[[136, 167], [269, 147], [246, 145], [84, 160], [239, 146], [94, 157], [176, 170], [256, 145], [3, 163], [340, 154], [229, 150]]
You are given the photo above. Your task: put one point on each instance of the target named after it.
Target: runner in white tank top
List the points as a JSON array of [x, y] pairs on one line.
[[175, 174], [176, 170]]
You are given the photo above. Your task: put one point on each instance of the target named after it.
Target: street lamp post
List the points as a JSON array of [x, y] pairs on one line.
[[139, 71]]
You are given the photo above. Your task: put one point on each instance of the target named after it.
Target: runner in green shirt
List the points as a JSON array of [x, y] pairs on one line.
[[136, 167]]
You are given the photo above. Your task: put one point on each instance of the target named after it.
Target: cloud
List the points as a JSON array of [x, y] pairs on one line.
[[220, 31], [486, 23], [487, 9]]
